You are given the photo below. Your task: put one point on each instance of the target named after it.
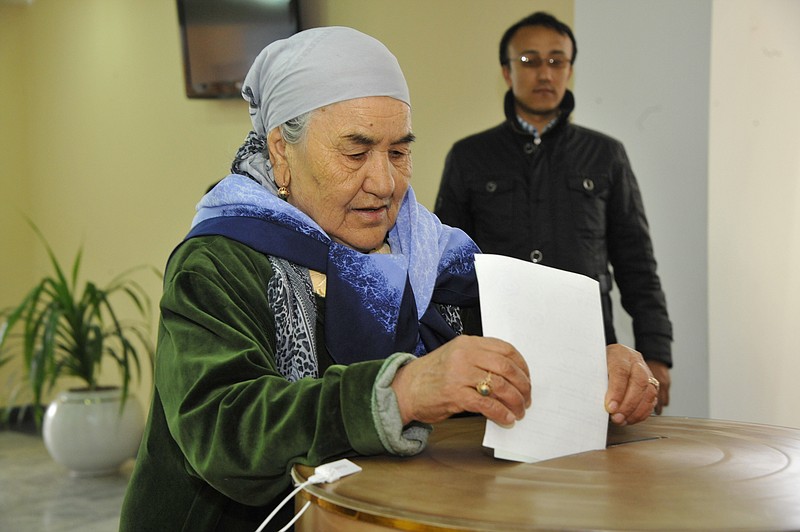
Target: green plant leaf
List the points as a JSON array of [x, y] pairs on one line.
[[61, 330]]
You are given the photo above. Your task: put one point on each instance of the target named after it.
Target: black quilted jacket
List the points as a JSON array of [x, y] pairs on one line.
[[571, 202]]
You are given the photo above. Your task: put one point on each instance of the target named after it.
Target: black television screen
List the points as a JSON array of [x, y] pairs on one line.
[[221, 38]]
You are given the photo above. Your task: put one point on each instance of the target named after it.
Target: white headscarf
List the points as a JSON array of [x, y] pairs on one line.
[[309, 70]]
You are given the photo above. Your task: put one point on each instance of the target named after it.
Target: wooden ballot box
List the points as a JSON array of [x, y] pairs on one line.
[[666, 473]]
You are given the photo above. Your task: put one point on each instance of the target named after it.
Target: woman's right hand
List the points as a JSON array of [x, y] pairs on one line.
[[443, 382]]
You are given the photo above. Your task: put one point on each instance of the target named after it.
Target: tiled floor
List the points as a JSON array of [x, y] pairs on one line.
[[38, 495]]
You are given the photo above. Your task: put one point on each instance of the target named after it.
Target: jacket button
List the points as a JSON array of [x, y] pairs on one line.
[[536, 256], [529, 147], [491, 186], [588, 185]]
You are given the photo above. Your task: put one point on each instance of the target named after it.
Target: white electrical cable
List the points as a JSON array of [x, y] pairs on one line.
[[296, 517], [311, 480], [325, 473]]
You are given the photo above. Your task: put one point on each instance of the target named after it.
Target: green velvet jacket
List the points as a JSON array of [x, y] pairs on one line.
[[225, 428]]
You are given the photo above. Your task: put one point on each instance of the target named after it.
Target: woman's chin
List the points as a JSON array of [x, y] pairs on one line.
[[364, 245]]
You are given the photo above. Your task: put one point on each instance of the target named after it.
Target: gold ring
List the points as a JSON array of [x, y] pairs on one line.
[[485, 386], [654, 382]]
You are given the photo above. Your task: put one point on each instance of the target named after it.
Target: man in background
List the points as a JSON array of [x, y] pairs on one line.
[[539, 188]]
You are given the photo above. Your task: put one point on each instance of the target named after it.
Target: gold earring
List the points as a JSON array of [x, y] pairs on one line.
[[283, 192]]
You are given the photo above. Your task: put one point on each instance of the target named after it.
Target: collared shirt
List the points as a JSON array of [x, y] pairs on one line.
[[530, 128]]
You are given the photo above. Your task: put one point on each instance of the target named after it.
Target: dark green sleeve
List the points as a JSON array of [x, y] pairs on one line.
[[238, 423]]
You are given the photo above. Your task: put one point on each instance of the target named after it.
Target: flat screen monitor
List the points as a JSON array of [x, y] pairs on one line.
[[221, 38]]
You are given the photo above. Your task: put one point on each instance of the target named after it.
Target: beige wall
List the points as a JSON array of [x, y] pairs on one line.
[[754, 212], [14, 176], [100, 147], [15, 179]]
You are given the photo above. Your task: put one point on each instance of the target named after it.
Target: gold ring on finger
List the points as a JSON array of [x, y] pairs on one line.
[[484, 387]]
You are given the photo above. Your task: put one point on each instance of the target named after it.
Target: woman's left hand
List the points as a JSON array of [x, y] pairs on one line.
[[632, 389]]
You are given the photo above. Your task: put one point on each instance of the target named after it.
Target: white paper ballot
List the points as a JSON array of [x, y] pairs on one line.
[[555, 320]]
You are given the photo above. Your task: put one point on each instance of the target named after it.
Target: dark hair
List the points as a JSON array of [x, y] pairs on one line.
[[540, 18]]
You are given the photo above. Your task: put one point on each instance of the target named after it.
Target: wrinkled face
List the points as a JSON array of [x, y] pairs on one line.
[[351, 172], [538, 90]]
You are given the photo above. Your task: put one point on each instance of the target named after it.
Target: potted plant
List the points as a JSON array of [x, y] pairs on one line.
[[61, 330]]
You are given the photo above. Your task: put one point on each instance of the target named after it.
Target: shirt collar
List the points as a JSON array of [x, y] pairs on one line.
[[530, 128]]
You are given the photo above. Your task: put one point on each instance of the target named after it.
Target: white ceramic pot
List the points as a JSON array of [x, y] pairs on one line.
[[85, 431]]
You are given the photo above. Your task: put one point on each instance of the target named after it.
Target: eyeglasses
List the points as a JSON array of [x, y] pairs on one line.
[[530, 60]]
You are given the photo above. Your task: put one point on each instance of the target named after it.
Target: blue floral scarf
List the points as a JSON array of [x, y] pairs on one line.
[[376, 304]]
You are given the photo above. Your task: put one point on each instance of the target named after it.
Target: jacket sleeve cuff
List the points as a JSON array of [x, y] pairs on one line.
[[656, 347], [396, 439]]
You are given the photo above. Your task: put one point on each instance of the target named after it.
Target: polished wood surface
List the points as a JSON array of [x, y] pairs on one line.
[[663, 474]]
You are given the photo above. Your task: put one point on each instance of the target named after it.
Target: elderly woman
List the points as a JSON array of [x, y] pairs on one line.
[[296, 312]]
